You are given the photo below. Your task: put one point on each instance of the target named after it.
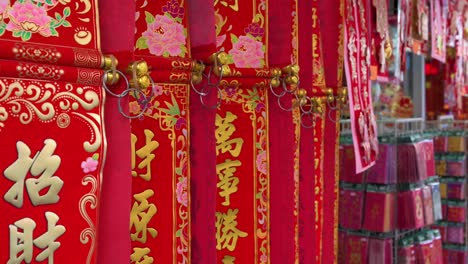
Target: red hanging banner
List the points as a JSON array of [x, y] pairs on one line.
[[160, 216], [243, 210], [357, 62], [50, 184]]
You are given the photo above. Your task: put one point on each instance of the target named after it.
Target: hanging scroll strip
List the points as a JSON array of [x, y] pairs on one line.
[[27, 70], [281, 143], [243, 210], [50, 184], [160, 136], [202, 139], [357, 59], [332, 37], [306, 240]]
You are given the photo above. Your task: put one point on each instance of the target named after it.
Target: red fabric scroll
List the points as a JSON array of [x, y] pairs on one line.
[[50, 184], [38, 71], [331, 26], [281, 141], [307, 236], [357, 57], [160, 219], [40, 53], [202, 138], [116, 188]]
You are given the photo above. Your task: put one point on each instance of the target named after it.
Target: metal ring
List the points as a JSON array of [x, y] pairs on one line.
[[330, 106], [275, 94], [196, 90], [126, 92], [330, 117], [302, 108], [104, 79], [283, 108], [218, 103], [313, 120]]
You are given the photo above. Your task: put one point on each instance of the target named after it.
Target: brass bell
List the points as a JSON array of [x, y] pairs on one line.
[[107, 62], [295, 69], [223, 58], [111, 78], [301, 93], [275, 72], [142, 82], [292, 80], [275, 82], [141, 68], [196, 78], [198, 67]]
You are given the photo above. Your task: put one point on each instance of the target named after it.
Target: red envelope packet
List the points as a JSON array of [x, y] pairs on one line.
[[437, 257], [456, 189], [410, 205], [406, 251], [351, 205], [456, 211], [440, 144], [455, 254], [348, 166], [428, 151], [455, 233], [380, 251], [384, 170], [357, 249], [379, 209], [428, 205], [423, 247]]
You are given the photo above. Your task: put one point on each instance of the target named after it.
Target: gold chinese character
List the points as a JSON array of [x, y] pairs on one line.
[[44, 164], [234, 6], [22, 243], [140, 256], [144, 153], [142, 213], [229, 260], [227, 233], [224, 130], [227, 181]]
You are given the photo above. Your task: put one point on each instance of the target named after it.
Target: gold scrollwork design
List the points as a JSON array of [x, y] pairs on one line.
[[181, 65], [87, 58], [39, 71], [25, 52], [179, 77], [89, 234]]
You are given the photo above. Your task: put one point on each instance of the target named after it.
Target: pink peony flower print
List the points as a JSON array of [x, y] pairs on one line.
[[29, 17], [165, 37], [89, 165], [261, 162], [263, 258], [134, 107], [247, 53], [181, 191], [4, 4], [157, 90]]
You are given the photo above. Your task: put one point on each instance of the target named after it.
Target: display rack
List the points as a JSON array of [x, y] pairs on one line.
[[392, 129]]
